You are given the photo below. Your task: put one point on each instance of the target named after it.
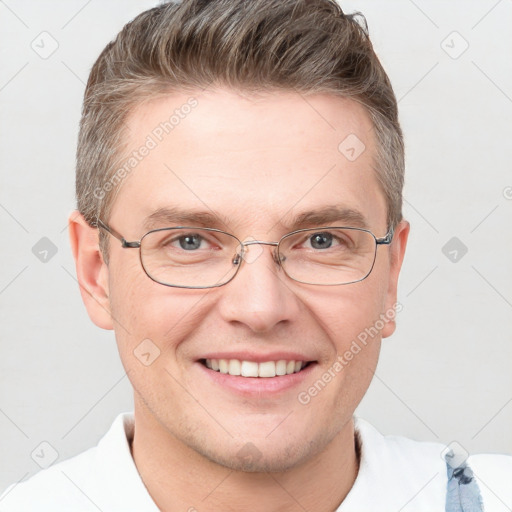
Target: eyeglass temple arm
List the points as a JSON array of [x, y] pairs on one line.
[[386, 239], [125, 244]]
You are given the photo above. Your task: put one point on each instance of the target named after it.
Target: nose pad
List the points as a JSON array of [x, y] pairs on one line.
[[277, 258], [238, 257]]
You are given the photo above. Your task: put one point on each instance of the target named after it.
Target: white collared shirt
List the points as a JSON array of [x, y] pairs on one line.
[[395, 474]]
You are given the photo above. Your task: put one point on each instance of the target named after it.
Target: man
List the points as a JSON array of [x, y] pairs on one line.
[[239, 177]]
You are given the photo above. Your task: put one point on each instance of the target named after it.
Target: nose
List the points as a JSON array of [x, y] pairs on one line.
[[260, 296]]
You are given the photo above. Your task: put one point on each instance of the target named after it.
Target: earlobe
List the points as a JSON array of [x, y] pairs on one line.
[[396, 257], [91, 270]]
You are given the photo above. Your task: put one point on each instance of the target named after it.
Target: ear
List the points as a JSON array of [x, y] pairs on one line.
[[91, 270], [396, 257]]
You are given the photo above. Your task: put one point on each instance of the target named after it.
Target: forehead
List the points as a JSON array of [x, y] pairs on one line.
[[250, 160]]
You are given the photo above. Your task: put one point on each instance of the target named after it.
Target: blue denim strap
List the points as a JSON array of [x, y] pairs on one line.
[[462, 493]]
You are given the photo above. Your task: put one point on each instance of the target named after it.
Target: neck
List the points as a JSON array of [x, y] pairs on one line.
[[179, 479]]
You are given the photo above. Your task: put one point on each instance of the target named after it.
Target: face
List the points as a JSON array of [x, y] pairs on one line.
[[255, 164]]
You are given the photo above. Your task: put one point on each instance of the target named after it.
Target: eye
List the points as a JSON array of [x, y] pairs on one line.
[[187, 242], [326, 239], [321, 240], [190, 242]]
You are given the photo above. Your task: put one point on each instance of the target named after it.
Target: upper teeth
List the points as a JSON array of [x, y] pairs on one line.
[[253, 369]]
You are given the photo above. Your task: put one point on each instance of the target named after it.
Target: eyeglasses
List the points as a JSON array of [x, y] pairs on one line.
[[189, 257]]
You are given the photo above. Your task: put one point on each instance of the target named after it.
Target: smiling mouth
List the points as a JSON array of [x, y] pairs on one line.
[[266, 369]]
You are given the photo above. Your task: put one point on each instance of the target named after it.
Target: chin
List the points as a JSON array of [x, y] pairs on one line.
[[250, 459], [263, 456]]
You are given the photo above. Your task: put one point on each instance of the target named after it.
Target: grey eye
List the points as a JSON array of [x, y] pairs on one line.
[[321, 240], [190, 242]]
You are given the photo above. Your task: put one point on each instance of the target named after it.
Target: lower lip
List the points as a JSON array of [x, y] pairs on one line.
[[254, 386]]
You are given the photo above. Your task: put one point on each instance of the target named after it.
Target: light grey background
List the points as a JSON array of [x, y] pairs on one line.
[[446, 373]]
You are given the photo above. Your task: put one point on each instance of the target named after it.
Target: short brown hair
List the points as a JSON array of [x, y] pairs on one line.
[[306, 46]]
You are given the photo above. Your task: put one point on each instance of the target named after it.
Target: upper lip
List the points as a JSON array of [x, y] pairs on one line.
[[259, 357]]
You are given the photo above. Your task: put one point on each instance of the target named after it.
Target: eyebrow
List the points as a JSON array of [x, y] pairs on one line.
[[324, 216], [328, 215], [164, 216]]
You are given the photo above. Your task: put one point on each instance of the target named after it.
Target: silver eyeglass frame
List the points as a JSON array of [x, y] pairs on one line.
[[238, 258]]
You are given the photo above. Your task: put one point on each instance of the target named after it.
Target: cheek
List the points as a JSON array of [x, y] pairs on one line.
[[348, 311], [358, 339], [151, 321], [151, 317], [352, 318], [129, 291]]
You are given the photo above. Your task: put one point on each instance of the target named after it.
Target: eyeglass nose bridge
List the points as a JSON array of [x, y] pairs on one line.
[[236, 261]]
